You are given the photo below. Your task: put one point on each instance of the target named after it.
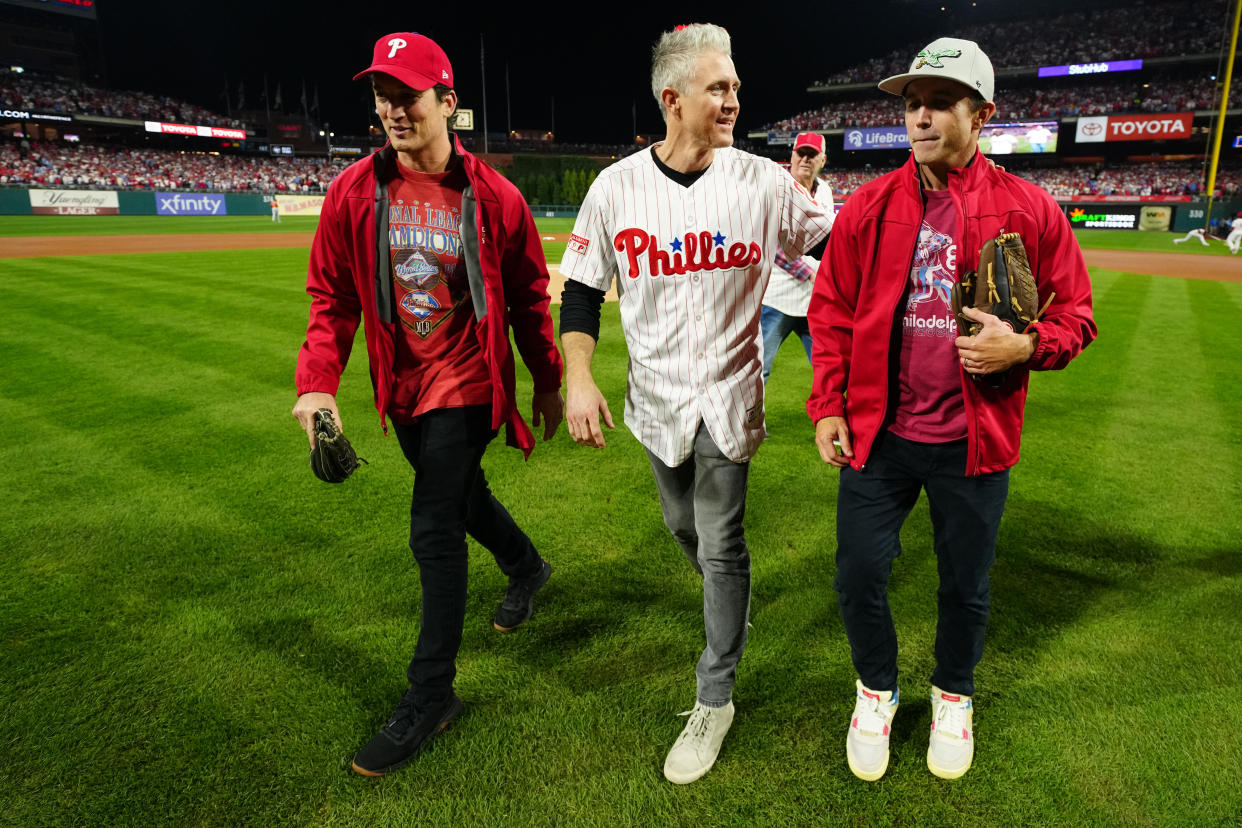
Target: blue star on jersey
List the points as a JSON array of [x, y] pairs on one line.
[[676, 245]]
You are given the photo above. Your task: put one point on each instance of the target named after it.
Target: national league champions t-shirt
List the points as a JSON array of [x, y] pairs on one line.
[[438, 361], [930, 407]]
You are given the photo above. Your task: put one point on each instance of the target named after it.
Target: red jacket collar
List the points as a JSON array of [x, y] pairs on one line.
[[971, 175]]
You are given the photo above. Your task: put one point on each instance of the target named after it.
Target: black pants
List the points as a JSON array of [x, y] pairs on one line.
[[965, 512], [451, 498]]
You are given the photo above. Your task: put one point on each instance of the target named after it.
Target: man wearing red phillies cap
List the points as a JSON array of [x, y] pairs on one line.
[[437, 254], [789, 289]]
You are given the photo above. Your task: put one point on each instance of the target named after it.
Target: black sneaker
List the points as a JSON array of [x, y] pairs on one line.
[[405, 735], [518, 606]]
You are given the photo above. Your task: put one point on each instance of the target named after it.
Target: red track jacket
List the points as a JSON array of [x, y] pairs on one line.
[[350, 278], [860, 291]]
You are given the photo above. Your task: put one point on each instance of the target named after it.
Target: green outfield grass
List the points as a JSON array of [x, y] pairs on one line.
[[1148, 240], [195, 631]]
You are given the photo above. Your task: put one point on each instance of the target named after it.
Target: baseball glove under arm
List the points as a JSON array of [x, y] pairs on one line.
[[332, 459]]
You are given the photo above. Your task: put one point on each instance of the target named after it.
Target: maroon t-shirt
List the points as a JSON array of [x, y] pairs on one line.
[[438, 361], [930, 407]]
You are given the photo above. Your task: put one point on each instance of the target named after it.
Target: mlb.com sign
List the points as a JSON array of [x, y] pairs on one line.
[[1153, 127], [185, 204]]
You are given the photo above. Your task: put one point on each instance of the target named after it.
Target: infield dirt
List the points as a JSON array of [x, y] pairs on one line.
[[1176, 265]]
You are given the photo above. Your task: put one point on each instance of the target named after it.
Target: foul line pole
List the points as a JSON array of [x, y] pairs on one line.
[[1220, 118]]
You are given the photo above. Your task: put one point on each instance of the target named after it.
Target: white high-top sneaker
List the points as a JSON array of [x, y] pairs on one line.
[[952, 745], [695, 750], [866, 746]]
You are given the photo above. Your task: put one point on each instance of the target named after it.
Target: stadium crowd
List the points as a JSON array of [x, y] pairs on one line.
[[1168, 29], [47, 94], [77, 166], [1121, 95], [1150, 178]]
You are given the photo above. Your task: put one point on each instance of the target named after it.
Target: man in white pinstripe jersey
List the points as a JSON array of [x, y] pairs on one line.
[[689, 229]]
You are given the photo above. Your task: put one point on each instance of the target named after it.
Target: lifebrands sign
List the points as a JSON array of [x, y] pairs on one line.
[[73, 203], [186, 204], [1153, 127], [877, 138], [199, 131]]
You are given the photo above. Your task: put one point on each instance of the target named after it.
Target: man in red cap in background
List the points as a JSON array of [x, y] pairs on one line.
[[438, 254], [789, 289]]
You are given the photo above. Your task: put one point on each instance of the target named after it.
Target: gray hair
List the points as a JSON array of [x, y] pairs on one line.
[[675, 55]]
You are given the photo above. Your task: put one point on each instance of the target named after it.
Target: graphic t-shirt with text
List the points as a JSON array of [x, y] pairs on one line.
[[438, 361], [930, 407]]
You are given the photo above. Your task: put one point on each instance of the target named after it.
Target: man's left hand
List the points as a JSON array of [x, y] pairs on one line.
[[993, 349], [550, 406]]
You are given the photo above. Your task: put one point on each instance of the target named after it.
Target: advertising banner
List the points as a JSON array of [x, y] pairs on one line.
[[300, 205], [1104, 218], [73, 203], [877, 138], [780, 138], [190, 204], [196, 131], [1091, 68], [1162, 199], [19, 114], [1155, 217], [1151, 127]]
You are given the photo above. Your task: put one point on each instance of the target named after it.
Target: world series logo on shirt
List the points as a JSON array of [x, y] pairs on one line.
[[577, 244]]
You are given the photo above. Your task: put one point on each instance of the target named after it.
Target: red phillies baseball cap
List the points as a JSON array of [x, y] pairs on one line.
[[414, 59], [814, 140]]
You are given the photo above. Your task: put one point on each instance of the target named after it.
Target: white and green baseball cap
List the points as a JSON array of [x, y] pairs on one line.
[[952, 58]]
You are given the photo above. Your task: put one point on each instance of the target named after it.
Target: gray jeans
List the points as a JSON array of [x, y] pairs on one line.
[[704, 501]]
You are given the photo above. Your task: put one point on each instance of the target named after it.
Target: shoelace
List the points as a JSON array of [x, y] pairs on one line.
[[950, 718], [519, 592], [872, 718], [696, 728]]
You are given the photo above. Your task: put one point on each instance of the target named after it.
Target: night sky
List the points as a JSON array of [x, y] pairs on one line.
[[566, 70]]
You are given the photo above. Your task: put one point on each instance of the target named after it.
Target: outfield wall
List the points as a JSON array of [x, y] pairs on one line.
[[16, 201]]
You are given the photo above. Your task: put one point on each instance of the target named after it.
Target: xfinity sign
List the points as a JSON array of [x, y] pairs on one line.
[[187, 204], [877, 138]]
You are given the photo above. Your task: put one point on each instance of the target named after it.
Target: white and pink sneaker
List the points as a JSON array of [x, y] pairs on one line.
[[866, 746], [952, 745]]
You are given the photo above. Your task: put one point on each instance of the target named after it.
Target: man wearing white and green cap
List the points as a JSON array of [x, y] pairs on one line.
[[893, 400]]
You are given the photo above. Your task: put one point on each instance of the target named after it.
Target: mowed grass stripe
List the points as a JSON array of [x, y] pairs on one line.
[[201, 613]]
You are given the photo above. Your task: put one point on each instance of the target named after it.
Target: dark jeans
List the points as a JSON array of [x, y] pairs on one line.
[[451, 499], [965, 512]]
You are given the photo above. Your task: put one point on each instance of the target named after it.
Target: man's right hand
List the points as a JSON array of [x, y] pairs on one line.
[[583, 406], [306, 406], [827, 431]]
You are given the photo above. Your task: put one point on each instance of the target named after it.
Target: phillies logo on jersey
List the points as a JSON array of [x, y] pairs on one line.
[[689, 254]]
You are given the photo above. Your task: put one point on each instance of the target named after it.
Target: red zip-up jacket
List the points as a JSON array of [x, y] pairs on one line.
[[862, 283], [350, 279]]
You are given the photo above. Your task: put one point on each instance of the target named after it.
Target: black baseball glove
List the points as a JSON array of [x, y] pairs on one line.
[[332, 459]]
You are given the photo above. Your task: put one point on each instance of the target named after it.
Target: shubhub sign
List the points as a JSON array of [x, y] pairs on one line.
[[1156, 126]]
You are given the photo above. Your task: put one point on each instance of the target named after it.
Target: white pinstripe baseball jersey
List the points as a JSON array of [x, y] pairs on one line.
[[786, 292], [691, 265]]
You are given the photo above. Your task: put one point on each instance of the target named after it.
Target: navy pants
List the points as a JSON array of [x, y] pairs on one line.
[[451, 499], [966, 511]]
